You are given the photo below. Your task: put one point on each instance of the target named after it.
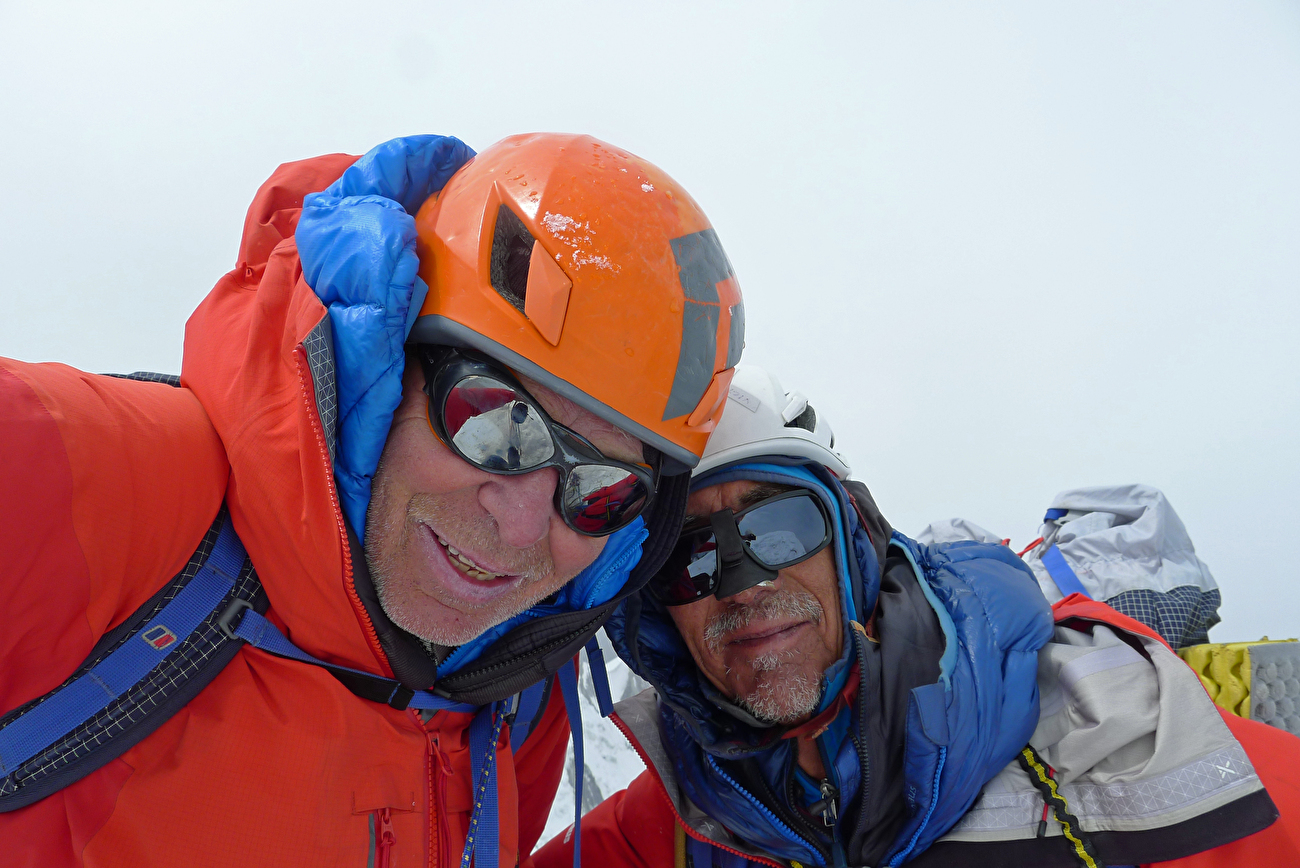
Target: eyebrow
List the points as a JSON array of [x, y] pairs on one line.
[[757, 494], [763, 492]]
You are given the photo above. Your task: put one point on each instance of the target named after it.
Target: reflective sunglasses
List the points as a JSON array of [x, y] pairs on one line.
[[480, 411], [778, 532]]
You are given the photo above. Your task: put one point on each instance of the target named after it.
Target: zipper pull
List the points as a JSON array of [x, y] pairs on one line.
[[387, 838], [827, 807], [443, 761]]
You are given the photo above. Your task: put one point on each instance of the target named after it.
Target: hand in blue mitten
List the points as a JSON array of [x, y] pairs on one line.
[[356, 240]]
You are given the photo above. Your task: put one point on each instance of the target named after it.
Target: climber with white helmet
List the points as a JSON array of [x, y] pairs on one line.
[[826, 691]]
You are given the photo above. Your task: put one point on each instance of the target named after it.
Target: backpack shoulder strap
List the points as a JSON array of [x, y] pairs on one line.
[[524, 711], [135, 678], [144, 671]]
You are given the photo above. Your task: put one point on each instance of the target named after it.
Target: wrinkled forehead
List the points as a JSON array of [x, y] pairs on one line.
[[734, 495], [612, 441]]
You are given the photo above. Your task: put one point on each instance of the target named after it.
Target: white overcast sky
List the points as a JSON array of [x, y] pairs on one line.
[[1007, 248]]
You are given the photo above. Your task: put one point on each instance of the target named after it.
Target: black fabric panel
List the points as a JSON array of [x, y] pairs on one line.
[[1038, 852], [911, 643], [537, 653], [877, 527], [1233, 821]]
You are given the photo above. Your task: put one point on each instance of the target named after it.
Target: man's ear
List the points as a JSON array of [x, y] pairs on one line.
[[412, 385], [413, 375]]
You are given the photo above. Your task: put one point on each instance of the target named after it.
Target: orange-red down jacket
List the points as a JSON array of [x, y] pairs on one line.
[[107, 487], [641, 827]]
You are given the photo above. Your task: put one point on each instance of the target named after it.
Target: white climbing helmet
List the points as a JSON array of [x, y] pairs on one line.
[[762, 419]]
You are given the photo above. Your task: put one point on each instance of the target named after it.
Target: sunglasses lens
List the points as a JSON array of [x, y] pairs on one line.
[[693, 570], [490, 424], [784, 531], [601, 498]]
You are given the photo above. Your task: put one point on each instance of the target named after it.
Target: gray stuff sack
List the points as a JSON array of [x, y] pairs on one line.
[[1127, 548]]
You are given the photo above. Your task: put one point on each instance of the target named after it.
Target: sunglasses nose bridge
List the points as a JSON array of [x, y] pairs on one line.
[[738, 571], [495, 425]]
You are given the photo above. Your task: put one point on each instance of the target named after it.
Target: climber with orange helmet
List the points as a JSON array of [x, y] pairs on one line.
[[317, 600]]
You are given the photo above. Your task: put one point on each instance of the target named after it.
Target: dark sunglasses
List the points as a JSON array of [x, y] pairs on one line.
[[753, 544], [482, 413]]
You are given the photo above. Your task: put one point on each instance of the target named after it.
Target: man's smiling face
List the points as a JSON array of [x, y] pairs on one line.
[[767, 647], [455, 550]]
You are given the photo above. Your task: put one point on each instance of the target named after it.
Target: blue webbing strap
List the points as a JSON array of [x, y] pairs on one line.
[[569, 687], [1060, 571], [261, 633], [600, 678], [530, 699], [705, 855], [482, 842], [701, 852], [77, 701]]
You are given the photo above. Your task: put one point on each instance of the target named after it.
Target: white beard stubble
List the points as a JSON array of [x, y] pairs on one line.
[[782, 693]]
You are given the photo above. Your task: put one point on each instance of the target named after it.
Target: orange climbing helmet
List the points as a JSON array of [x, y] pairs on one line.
[[591, 271]]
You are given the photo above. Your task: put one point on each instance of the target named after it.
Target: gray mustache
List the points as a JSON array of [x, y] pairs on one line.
[[783, 604]]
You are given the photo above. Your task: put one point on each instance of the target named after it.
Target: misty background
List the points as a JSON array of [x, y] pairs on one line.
[[1007, 249]]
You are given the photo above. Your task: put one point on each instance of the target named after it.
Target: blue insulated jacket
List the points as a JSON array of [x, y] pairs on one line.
[[959, 731]]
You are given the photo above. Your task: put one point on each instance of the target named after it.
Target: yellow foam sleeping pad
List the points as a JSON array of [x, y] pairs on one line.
[[1256, 680]]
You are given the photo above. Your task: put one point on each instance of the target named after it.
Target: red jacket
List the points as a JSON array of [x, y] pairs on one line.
[[639, 828], [106, 488]]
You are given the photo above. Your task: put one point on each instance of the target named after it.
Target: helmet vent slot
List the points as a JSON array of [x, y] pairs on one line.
[[807, 420], [512, 249]]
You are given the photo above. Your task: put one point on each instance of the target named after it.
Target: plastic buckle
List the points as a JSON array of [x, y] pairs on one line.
[[233, 613], [401, 697]]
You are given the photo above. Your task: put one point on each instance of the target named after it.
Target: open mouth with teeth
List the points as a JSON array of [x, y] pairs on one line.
[[467, 566]]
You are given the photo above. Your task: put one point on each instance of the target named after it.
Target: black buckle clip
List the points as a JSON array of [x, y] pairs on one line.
[[401, 697], [227, 621]]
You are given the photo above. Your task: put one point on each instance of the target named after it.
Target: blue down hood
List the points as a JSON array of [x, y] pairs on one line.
[[961, 730]]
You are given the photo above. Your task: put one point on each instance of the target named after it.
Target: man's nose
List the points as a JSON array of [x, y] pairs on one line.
[[521, 505]]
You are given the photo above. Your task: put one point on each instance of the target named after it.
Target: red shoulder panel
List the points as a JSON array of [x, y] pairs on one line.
[[109, 485]]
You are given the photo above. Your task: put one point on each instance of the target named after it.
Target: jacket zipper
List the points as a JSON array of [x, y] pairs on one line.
[[828, 805], [788, 814], [781, 825], [439, 771], [386, 838], [864, 785], [318, 428], [686, 827]]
